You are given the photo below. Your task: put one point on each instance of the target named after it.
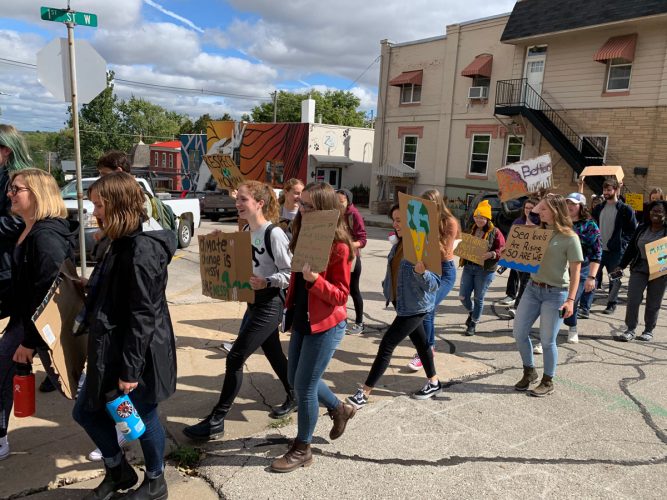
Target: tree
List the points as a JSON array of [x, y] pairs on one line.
[[199, 127], [140, 118], [337, 107]]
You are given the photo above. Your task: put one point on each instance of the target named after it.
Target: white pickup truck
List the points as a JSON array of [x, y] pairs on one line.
[[186, 210]]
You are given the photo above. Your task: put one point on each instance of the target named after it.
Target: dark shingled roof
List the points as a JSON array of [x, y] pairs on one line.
[[538, 17]]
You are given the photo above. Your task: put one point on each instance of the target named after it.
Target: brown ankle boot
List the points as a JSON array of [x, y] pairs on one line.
[[340, 415], [529, 376], [545, 388], [299, 455]]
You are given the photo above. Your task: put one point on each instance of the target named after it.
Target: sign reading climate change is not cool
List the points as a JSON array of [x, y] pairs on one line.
[[525, 248]]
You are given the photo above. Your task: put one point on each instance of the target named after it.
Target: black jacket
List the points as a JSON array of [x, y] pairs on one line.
[[624, 226], [40, 255], [130, 335], [632, 255], [10, 230]]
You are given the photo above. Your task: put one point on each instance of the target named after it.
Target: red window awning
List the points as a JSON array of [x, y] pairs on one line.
[[481, 66], [407, 78], [618, 47]]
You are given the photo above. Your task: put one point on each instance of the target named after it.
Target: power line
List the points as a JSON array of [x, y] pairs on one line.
[[364, 71]]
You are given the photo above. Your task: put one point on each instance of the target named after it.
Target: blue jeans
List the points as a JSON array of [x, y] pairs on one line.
[[583, 275], [543, 303], [609, 261], [308, 358], [102, 430], [447, 281], [474, 278]]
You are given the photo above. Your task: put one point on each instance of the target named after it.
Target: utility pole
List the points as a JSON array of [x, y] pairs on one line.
[[275, 105]]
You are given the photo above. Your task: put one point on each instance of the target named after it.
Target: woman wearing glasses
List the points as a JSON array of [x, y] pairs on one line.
[[45, 242], [317, 307]]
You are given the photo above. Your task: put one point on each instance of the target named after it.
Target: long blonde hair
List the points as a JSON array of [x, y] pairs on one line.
[[42, 185], [263, 192], [558, 207], [446, 218], [123, 198]]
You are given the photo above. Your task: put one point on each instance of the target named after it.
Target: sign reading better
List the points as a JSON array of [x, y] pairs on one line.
[[225, 266], [525, 248], [523, 177]]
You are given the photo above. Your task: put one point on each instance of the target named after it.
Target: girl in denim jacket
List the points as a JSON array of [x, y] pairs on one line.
[[411, 288]]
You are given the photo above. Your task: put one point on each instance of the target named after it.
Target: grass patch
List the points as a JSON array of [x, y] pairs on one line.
[[279, 423], [186, 457]]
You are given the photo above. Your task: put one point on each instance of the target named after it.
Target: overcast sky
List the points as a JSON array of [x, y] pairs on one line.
[[247, 47]]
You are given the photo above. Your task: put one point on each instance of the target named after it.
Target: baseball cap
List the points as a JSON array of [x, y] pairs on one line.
[[576, 198]]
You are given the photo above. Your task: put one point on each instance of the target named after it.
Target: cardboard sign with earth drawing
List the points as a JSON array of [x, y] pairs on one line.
[[420, 223], [523, 177], [225, 263], [525, 248], [224, 171]]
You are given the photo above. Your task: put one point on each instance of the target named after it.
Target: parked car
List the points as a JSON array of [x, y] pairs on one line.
[[216, 204], [503, 213], [186, 210]]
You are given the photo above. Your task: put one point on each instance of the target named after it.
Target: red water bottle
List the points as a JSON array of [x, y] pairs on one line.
[[24, 390]]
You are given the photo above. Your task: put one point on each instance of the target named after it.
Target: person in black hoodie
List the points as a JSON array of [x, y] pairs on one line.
[[131, 346], [46, 241], [635, 257]]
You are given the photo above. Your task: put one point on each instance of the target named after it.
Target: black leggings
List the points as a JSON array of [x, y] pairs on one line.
[[399, 329], [259, 328], [355, 292]]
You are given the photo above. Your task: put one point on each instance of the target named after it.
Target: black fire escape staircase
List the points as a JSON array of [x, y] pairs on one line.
[[516, 97]]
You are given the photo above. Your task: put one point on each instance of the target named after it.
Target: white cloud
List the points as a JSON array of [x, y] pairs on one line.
[[173, 15]]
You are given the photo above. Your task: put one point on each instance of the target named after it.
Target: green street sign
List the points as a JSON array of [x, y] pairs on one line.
[[68, 16]]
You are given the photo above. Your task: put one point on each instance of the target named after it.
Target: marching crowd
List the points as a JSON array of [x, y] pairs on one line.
[[131, 346]]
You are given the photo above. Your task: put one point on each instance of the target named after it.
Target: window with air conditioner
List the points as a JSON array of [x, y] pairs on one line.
[[478, 93]]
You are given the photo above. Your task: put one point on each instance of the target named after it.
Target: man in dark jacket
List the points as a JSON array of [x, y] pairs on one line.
[[617, 224]]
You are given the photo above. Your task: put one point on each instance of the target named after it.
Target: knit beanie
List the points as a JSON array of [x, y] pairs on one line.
[[484, 209]]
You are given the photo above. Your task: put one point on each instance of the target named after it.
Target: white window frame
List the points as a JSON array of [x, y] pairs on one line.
[[411, 87], [164, 160], [403, 151], [507, 148], [171, 161], [157, 159], [470, 158], [612, 64]]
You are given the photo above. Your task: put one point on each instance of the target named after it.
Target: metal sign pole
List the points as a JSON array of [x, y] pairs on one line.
[[77, 147]]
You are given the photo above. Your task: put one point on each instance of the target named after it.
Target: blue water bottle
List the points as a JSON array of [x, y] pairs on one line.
[[123, 412]]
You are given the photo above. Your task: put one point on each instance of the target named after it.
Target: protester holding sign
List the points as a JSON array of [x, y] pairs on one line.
[[131, 346], [411, 288], [591, 246], [256, 202], [316, 308], [449, 231], [635, 256], [475, 277], [45, 242], [550, 294]]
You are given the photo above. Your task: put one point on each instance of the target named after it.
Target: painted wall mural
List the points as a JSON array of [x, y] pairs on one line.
[[193, 149]]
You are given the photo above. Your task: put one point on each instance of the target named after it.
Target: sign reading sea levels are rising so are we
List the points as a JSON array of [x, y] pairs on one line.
[[226, 267], [68, 16], [525, 248]]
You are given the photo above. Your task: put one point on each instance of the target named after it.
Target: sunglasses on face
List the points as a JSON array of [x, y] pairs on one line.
[[16, 189]]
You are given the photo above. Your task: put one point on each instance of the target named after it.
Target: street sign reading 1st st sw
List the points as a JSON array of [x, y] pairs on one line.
[[68, 16]]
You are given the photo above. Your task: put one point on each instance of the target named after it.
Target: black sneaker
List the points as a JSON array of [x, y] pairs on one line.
[[47, 385], [470, 331], [428, 391], [359, 400], [469, 320], [582, 314], [611, 309]]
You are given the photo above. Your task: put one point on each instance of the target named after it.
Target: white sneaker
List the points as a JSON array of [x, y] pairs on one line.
[[572, 335], [4, 448], [96, 454], [537, 348], [507, 301]]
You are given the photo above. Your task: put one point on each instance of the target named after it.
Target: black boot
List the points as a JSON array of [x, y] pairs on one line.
[[47, 385], [208, 428], [286, 408], [150, 489], [121, 477]]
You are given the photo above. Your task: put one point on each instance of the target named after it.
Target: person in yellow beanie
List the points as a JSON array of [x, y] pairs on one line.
[[475, 277]]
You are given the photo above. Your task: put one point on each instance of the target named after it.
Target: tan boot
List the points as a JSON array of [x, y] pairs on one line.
[[545, 388], [340, 415], [299, 455], [529, 376]]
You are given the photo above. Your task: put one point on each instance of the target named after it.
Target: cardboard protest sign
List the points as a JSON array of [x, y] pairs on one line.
[[525, 248], [656, 254], [523, 177], [472, 248], [635, 200], [54, 320], [420, 223], [315, 238], [604, 170], [224, 171], [225, 262]]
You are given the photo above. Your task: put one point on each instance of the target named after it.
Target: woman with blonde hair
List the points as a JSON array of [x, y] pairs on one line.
[[289, 199], [549, 295], [45, 242], [271, 259], [131, 346], [449, 231]]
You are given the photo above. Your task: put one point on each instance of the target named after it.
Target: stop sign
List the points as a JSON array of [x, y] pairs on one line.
[[53, 70]]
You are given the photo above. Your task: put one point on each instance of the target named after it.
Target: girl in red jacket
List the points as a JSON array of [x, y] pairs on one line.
[[316, 304]]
